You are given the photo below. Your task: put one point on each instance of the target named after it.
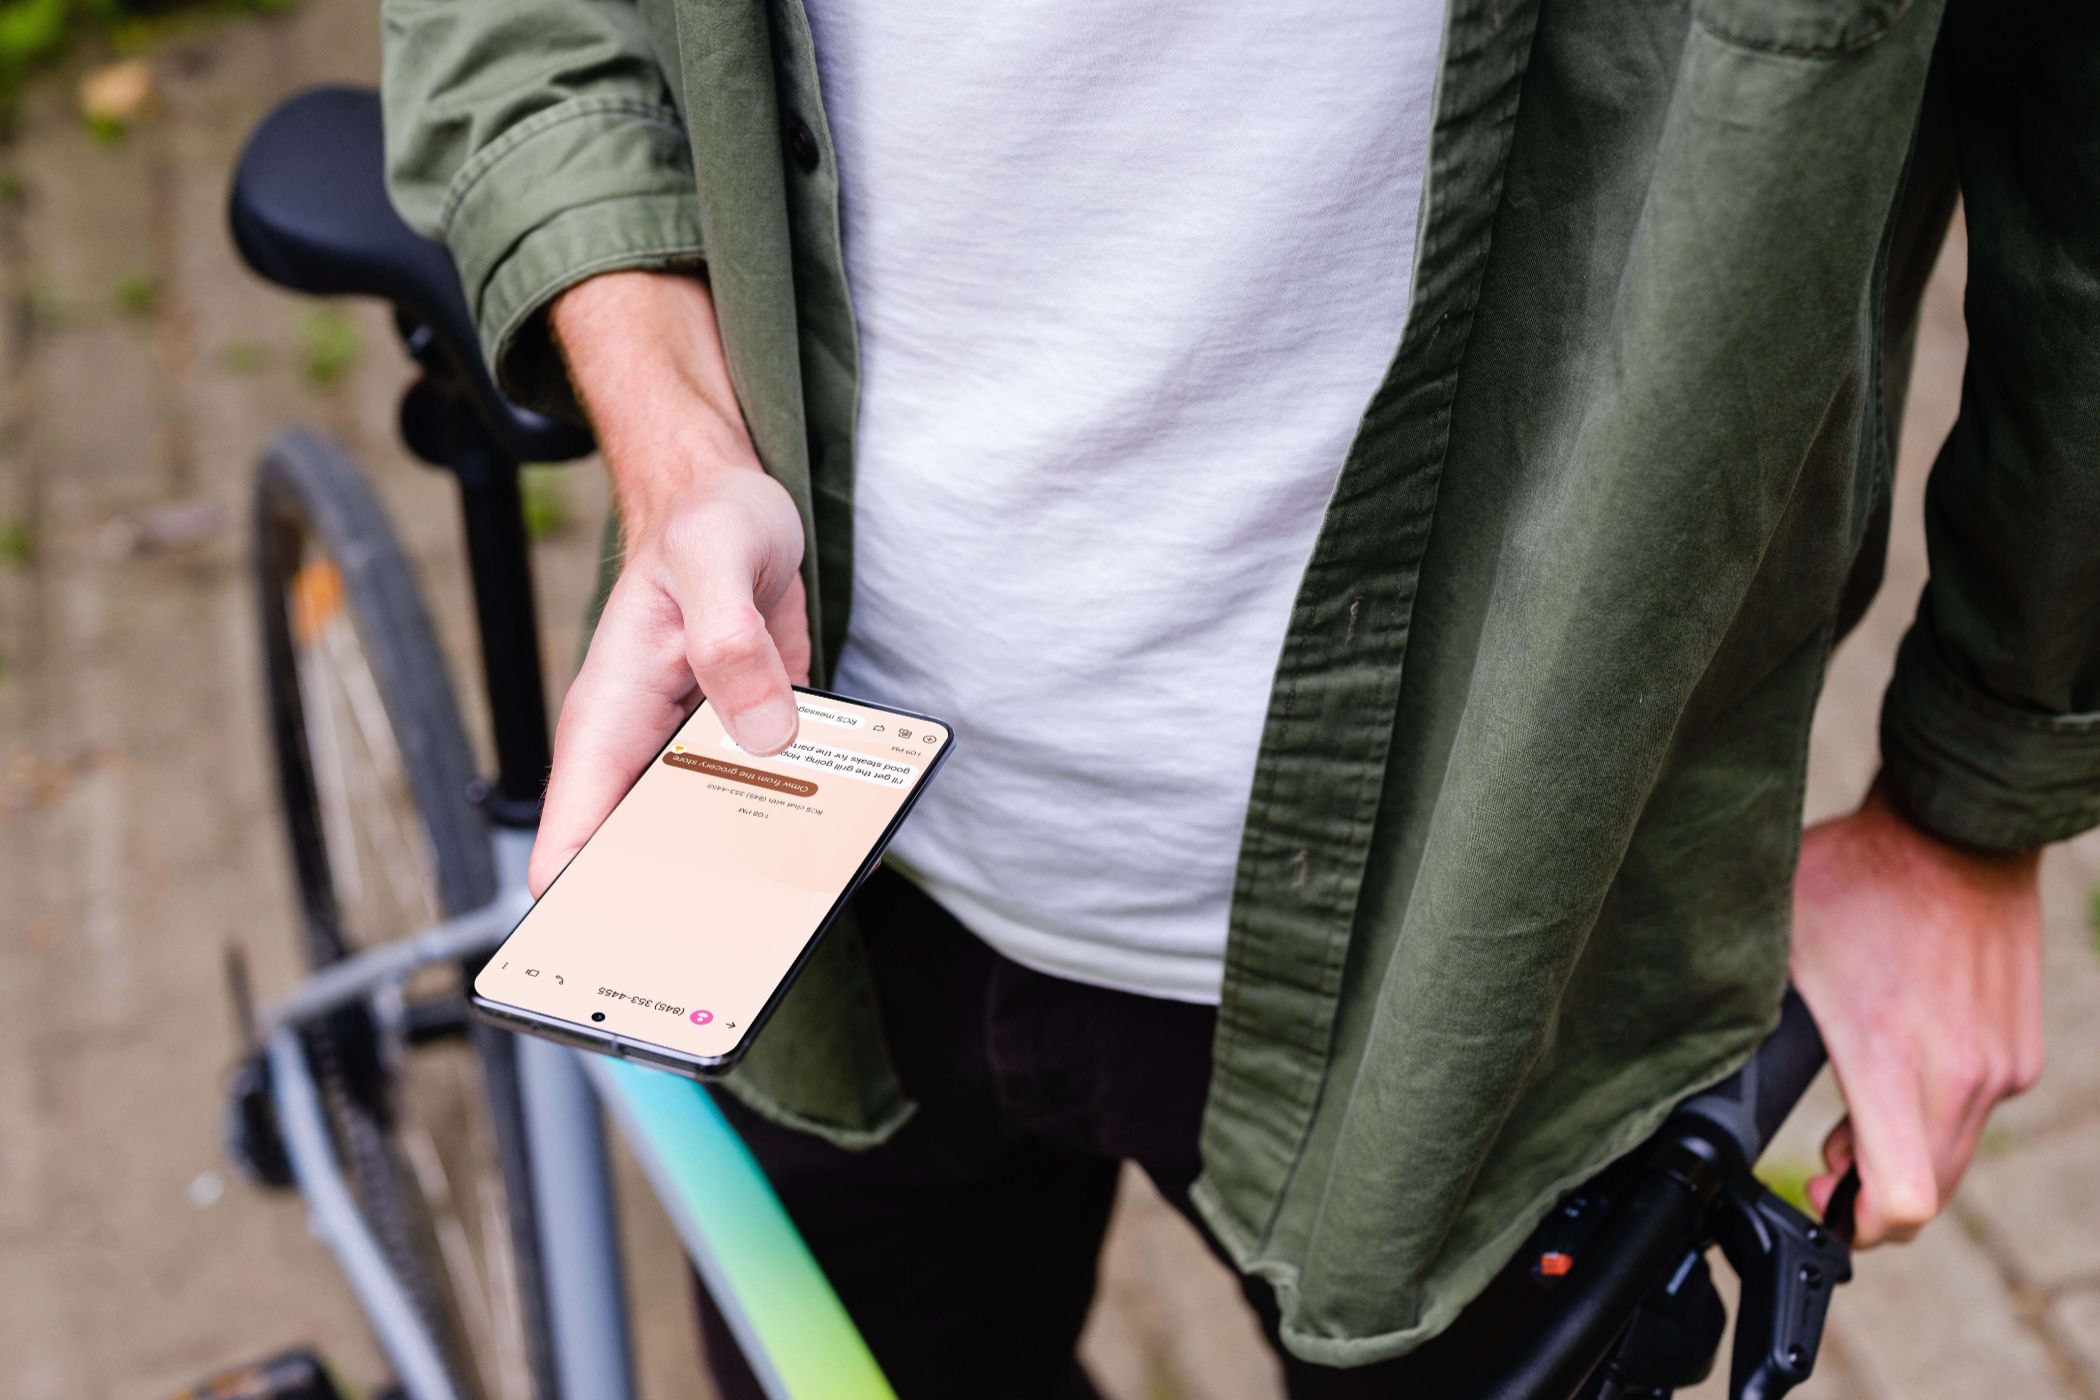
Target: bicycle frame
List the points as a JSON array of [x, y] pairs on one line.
[[793, 1330]]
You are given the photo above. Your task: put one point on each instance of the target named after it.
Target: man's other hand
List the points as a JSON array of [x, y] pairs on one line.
[[1921, 963], [709, 600]]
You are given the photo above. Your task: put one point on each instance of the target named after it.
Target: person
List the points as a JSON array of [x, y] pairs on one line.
[[1374, 487]]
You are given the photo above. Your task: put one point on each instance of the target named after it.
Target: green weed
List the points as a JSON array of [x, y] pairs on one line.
[[1789, 1180], [546, 496], [138, 295], [328, 346], [29, 30], [17, 543]]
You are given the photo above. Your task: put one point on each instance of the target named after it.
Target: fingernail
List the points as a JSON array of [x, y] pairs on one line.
[[767, 728]]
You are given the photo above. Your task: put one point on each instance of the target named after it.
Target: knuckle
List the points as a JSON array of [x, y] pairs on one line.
[[1975, 1077], [1963, 1068], [1987, 1078], [728, 641]]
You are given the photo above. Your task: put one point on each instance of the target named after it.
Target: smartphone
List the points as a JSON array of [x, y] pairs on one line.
[[671, 936]]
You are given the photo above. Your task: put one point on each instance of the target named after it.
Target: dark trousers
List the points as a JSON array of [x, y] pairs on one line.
[[965, 1247]]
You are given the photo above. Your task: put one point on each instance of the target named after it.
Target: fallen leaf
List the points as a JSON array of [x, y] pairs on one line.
[[117, 95]]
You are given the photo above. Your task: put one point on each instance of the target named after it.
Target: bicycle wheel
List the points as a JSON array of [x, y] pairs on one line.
[[375, 774]]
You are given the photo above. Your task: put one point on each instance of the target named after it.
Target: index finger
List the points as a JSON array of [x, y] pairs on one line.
[[633, 690], [1899, 1179]]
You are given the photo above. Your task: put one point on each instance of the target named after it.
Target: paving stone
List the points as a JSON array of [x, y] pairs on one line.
[[2039, 1207], [2074, 1320], [2069, 1091], [1933, 1320]]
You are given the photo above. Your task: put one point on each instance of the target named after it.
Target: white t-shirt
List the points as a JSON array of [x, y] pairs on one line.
[[1126, 277]]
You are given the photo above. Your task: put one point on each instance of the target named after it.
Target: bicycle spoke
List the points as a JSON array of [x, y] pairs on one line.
[[331, 781], [401, 846], [482, 1280]]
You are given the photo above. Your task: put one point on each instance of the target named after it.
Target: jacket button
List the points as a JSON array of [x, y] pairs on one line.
[[802, 144]]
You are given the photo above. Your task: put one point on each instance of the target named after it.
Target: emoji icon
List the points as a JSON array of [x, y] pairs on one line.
[[701, 1018], [677, 748]]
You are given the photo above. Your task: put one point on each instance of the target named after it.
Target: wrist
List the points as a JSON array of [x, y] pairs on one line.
[[645, 355], [1914, 845]]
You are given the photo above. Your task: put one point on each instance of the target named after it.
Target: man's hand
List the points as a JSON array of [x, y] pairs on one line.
[[1921, 963], [709, 601]]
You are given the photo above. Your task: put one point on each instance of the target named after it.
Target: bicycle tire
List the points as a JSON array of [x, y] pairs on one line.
[[314, 510]]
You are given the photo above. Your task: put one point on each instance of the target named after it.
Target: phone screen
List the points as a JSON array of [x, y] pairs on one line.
[[680, 919]]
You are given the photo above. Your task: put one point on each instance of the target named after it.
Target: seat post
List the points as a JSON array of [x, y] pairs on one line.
[[500, 567]]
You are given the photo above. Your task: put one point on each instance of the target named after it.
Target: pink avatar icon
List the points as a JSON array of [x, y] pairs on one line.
[[701, 1018]]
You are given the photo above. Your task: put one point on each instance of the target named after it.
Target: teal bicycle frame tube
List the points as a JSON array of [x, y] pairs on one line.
[[792, 1327]]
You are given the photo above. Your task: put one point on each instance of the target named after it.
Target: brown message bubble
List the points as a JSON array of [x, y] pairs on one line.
[[738, 773]]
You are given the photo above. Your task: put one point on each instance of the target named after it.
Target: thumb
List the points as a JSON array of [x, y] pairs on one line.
[[731, 653], [633, 690]]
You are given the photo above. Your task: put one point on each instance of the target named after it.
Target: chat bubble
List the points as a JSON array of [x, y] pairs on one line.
[[738, 773], [823, 758], [824, 714]]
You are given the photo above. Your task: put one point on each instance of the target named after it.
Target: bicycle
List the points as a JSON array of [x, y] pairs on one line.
[[459, 1173]]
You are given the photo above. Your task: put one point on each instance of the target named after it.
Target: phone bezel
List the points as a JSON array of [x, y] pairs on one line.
[[657, 1056]]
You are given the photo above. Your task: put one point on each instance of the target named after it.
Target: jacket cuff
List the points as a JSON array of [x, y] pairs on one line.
[[594, 185], [1976, 771]]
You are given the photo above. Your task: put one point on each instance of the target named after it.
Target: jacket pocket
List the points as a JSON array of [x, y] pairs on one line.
[[1800, 28]]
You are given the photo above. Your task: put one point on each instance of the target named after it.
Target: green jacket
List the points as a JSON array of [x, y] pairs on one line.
[[1516, 870]]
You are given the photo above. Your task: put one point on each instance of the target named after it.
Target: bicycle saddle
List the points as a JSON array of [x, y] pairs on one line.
[[309, 211]]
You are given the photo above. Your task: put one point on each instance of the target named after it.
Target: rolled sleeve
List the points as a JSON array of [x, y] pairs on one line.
[[1975, 770], [594, 185]]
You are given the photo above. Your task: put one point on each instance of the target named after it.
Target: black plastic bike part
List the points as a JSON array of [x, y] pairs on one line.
[[430, 1019], [1581, 1320], [250, 1130], [1621, 1239], [309, 211], [499, 565], [295, 1375], [312, 503], [1562, 1236], [1672, 1339], [1748, 1107], [1789, 1265], [1839, 1215]]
